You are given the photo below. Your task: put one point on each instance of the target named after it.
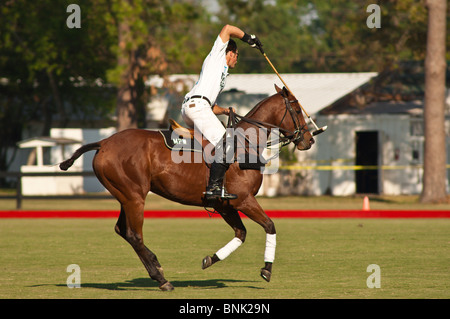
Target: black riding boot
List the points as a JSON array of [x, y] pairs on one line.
[[215, 188]]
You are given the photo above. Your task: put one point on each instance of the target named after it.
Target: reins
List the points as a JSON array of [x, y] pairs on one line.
[[289, 136]]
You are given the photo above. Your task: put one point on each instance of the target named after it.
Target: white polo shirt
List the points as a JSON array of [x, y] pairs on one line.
[[214, 73]]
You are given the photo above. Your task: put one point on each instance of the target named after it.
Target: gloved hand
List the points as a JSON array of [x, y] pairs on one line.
[[253, 41]]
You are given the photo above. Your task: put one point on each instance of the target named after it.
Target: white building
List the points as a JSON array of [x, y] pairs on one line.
[[47, 152], [386, 136]]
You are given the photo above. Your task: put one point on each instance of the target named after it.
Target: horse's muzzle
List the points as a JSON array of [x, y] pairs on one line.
[[306, 144]]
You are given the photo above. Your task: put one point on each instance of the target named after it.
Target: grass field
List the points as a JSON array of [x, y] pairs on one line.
[[315, 258]]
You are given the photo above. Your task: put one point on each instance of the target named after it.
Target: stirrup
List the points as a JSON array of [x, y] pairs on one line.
[[218, 193]]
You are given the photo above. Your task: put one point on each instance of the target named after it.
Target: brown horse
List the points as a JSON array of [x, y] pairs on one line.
[[133, 162]]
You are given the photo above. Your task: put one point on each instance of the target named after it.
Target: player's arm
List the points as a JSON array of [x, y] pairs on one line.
[[230, 31]]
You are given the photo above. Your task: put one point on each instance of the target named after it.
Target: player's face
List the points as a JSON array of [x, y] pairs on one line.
[[233, 57]]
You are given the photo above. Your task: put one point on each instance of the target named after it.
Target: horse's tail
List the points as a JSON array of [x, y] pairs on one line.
[[83, 149]]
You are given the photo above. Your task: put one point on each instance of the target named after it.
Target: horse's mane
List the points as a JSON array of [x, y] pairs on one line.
[[256, 107]]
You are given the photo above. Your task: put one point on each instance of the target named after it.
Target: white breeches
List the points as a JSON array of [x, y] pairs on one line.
[[197, 114]]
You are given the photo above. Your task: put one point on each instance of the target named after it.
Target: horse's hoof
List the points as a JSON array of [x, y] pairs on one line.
[[207, 261], [166, 286], [266, 274]]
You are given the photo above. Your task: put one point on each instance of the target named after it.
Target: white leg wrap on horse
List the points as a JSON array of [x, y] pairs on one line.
[[271, 243], [225, 251]]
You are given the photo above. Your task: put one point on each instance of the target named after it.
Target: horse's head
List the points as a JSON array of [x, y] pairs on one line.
[[292, 120]]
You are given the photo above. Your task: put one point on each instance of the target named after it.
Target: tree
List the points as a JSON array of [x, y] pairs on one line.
[[328, 36], [48, 70], [348, 44], [153, 37], [136, 53], [434, 179], [278, 25]]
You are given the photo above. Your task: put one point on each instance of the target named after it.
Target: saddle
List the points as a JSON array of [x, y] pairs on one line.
[[180, 130], [179, 138]]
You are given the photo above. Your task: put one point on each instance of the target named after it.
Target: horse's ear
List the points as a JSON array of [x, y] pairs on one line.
[[283, 91]]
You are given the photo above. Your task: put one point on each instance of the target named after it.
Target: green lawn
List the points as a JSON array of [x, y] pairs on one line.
[[315, 258]]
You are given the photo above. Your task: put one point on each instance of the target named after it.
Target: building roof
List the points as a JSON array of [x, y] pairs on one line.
[[414, 108], [314, 91]]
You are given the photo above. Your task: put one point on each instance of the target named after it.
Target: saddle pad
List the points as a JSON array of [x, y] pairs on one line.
[[176, 143]]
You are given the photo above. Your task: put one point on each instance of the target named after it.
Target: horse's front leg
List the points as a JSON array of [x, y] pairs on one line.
[[231, 216], [269, 255], [253, 210]]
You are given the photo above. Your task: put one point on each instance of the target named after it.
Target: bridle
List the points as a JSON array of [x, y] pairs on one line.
[[298, 134], [295, 136]]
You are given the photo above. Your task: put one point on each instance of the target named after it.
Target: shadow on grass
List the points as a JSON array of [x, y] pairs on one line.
[[149, 283]]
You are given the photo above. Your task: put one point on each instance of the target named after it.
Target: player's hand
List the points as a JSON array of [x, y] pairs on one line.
[[253, 41], [218, 110], [232, 109]]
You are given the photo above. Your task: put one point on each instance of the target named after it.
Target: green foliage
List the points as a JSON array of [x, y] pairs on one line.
[[44, 64], [329, 36], [50, 71]]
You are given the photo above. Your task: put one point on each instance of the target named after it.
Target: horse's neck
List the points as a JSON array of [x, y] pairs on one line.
[[265, 111]]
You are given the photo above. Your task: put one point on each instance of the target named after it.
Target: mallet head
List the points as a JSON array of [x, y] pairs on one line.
[[320, 130]]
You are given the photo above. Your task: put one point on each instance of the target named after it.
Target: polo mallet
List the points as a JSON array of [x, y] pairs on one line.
[[318, 130]]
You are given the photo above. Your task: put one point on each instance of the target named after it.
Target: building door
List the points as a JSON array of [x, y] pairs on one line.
[[367, 155]]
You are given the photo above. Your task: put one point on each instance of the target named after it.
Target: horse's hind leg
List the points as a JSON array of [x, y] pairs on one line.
[[231, 216], [129, 226]]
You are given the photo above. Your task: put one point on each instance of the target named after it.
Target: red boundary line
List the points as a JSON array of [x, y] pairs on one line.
[[205, 214]]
